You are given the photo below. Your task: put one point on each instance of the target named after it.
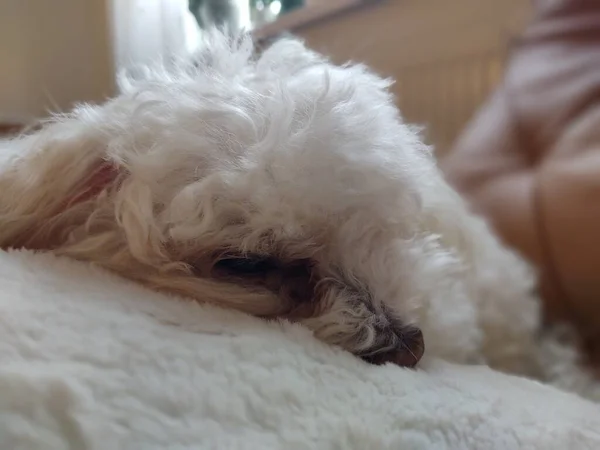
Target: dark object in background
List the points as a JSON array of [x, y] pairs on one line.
[[286, 5], [225, 14], [220, 13]]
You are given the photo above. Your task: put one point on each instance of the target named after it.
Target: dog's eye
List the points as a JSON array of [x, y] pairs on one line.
[[245, 266]]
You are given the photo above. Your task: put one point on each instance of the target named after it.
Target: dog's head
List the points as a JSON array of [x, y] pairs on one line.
[[277, 184]]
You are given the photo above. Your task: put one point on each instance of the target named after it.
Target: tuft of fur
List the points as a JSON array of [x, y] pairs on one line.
[[283, 186]]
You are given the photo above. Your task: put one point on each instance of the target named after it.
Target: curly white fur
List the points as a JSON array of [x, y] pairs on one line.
[[286, 158]]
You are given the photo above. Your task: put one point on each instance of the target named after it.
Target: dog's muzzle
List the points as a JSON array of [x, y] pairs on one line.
[[407, 352]]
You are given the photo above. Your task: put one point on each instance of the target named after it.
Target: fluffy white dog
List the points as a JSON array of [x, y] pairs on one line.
[[283, 186]]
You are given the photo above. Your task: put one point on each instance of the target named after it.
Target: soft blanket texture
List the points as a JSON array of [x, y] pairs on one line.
[[90, 361]]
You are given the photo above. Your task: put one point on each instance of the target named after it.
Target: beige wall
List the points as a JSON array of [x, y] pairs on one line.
[[445, 55], [52, 53]]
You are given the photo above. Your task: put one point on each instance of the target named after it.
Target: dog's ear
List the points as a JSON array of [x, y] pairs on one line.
[[50, 171]]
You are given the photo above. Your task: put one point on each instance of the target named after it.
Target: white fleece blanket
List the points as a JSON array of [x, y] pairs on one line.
[[89, 361]]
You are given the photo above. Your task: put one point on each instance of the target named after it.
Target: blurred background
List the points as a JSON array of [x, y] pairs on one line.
[[446, 56]]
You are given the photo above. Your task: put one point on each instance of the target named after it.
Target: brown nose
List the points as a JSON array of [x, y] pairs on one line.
[[407, 353]]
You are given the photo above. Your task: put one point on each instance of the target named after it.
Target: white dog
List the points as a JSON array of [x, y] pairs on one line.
[[286, 187]]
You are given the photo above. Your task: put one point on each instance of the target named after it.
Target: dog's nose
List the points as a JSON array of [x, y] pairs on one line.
[[407, 353], [411, 350]]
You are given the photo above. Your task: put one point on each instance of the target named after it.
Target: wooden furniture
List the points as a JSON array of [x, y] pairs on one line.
[[446, 56]]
